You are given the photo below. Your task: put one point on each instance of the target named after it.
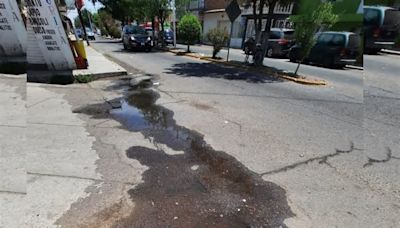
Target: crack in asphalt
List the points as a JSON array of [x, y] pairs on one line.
[[389, 157], [320, 159]]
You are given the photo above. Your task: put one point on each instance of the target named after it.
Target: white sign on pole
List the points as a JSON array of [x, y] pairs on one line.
[[12, 30], [45, 22]]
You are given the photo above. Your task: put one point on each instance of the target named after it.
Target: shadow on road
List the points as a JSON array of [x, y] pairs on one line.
[[211, 70]]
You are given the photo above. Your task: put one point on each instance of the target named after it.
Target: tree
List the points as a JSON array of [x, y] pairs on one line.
[[141, 10], [307, 25], [189, 30], [85, 16], [261, 36], [218, 38]]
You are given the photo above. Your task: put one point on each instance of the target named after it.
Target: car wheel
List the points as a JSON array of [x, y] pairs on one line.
[[270, 53], [148, 49]]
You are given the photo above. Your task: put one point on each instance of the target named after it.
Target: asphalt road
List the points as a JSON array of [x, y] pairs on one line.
[[308, 140]]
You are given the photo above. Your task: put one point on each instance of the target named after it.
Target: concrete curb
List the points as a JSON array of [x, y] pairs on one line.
[[100, 75], [303, 81], [392, 52], [354, 67]]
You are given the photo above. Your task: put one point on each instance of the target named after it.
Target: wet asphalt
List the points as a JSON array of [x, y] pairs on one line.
[[204, 187], [201, 187]]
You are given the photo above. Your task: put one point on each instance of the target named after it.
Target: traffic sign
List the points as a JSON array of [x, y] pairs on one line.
[[233, 10]]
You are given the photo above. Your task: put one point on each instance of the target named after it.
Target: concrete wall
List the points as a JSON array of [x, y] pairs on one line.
[[214, 20]]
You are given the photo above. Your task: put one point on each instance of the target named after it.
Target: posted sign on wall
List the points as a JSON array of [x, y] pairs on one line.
[[45, 23], [12, 30]]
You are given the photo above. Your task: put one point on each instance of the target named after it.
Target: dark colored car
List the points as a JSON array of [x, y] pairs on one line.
[[332, 49], [135, 37], [169, 36], [381, 27], [279, 43]]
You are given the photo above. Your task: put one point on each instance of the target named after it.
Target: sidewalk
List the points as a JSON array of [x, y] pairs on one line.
[[100, 66], [13, 185]]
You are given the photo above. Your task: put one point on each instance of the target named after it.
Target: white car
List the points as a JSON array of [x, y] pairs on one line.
[[90, 34]]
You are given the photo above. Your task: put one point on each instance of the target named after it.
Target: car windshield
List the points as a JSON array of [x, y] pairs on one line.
[[371, 17], [135, 30], [392, 17], [332, 39], [88, 30]]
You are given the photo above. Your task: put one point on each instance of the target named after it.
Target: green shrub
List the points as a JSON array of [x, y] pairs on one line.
[[218, 38], [189, 30]]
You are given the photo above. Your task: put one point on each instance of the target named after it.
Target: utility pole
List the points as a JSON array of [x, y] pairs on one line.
[[90, 20], [174, 20], [172, 4]]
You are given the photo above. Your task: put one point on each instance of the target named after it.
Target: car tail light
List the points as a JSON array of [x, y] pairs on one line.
[[283, 41], [376, 33]]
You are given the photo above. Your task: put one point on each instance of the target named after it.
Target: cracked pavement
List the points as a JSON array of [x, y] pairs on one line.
[[330, 154]]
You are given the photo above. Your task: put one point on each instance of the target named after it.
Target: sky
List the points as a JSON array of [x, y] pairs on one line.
[[88, 5]]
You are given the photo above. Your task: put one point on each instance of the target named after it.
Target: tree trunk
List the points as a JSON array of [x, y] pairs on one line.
[[153, 27], [265, 34], [297, 68], [188, 48]]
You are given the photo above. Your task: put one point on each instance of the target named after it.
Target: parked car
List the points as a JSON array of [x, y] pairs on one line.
[[332, 49], [90, 34], [135, 37], [279, 43], [168, 36], [381, 27], [79, 33]]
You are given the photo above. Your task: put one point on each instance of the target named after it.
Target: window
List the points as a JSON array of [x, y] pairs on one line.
[[354, 41], [371, 17], [392, 17], [130, 29], [275, 35], [332, 39]]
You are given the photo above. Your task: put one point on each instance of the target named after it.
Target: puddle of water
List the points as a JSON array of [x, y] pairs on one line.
[[201, 187], [176, 195], [131, 117]]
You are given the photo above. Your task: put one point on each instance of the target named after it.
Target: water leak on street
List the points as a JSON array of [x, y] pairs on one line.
[[218, 192], [201, 187]]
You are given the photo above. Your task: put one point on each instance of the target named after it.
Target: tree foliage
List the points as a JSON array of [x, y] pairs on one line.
[[189, 30], [143, 10], [85, 16], [219, 38], [106, 23], [306, 25]]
